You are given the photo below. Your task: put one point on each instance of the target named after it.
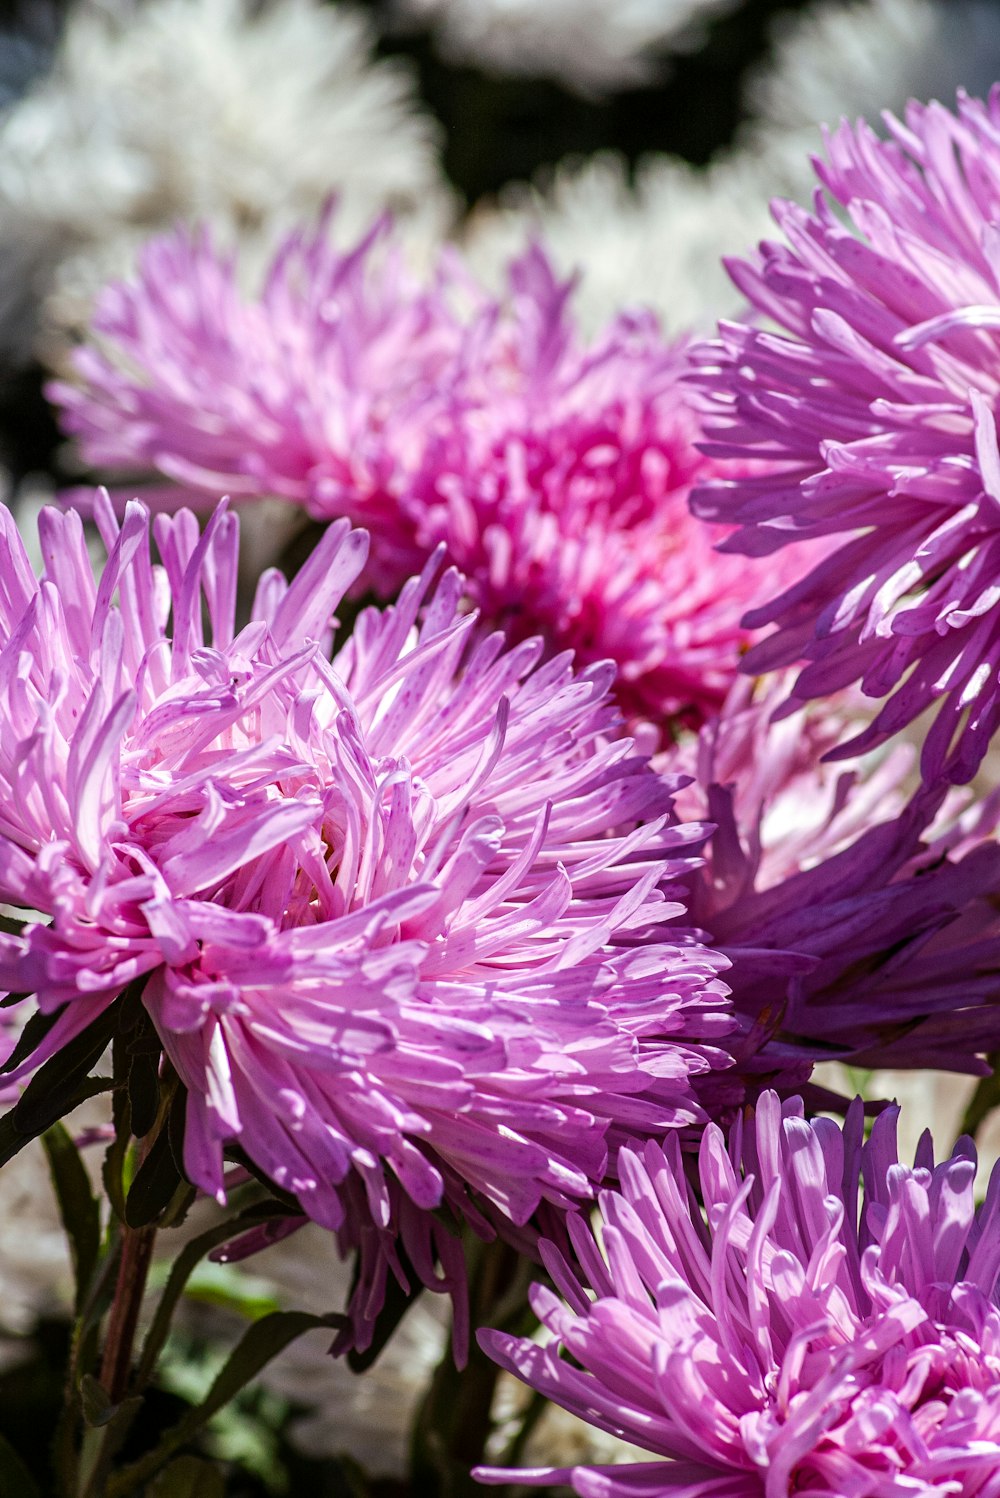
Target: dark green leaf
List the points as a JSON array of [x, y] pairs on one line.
[[144, 1088], [155, 1182], [137, 1052], [259, 1344], [113, 1169], [189, 1477], [78, 1207], [15, 1479], [48, 1095], [176, 1121], [13, 1138], [31, 1037]]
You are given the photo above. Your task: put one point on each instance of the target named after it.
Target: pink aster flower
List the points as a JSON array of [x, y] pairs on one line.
[[802, 1336], [561, 490], [877, 400], [861, 921], [320, 391], [556, 471], [397, 920]]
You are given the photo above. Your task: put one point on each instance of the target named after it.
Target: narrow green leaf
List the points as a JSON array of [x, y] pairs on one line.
[[176, 1125], [15, 1479], [143, 1080], [78, 1206], [154, 1184], [35, 1030], [117, 1153], [13, 1137], [259, 1344], [183, 1267], [189, 1477], [48, 1095]]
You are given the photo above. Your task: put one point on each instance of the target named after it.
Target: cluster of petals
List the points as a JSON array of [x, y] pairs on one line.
[[860, 918], [826, 1324], [876, 400], [556, 470], [398, 918]]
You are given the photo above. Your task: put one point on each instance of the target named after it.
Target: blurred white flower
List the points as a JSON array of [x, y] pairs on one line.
[[592, 46], [860, 58], [657, 244], [246, 114]]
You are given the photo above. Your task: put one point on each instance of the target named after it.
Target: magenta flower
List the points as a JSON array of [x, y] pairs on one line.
[[800, 1337], [877, 401], [556, 472], [397, 921], [861, 922]]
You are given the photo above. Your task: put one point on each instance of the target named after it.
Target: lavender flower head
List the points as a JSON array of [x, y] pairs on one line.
[[802, 1336], [397, 920], [877, 400], [556, 470], [860, 917]]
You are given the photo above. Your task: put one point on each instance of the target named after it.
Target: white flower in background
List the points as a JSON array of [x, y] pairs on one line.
[[592, 46], [245, 114], [860, 58], [659, 243]]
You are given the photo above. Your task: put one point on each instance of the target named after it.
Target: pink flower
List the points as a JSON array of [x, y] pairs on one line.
[[321, 392], [861, 921], [397, 920], [561, 490], [799, 1337], [877, 402], [555, 471]]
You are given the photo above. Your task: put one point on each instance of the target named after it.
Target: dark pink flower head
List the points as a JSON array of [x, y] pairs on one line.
[[399, 918], [861, 921], [556, 471], [877, 399], [801, 1336], [561, 490]]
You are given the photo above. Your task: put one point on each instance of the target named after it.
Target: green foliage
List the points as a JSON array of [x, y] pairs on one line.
[[78, 1206]]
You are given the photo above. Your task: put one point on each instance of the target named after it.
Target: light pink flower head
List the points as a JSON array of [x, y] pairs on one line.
[[397, 920], [860, 918], [556, 471], [801, 1335], [877, 400]]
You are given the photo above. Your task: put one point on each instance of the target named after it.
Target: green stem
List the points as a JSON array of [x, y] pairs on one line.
[[455, 1419]]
